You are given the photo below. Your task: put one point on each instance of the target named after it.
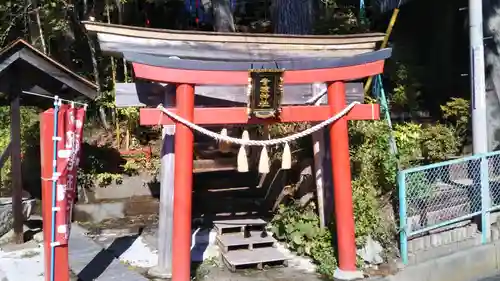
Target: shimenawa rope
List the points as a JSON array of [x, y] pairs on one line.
[[246, 142]]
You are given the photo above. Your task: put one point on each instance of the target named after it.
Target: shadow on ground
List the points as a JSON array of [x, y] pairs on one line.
[[105, 257]]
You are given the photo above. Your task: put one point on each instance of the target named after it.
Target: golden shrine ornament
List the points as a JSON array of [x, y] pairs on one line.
[[265, 91]]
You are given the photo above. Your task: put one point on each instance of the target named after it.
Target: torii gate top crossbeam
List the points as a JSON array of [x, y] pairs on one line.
[[199, 72]]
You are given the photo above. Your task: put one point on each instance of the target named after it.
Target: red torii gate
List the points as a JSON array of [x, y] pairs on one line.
[[186, 74]]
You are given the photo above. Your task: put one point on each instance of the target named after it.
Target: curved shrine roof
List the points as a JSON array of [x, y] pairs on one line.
[[194, 45]]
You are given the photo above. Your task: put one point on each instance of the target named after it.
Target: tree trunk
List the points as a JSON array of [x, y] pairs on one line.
[[79, 29], [492, 55], [35, 26], [293, 16], [223, 16]]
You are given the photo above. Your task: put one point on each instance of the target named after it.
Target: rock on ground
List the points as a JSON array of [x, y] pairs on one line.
[[371, 252]]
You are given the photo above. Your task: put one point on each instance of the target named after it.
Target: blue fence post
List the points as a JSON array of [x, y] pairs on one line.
[[403, 235], [485, 201]]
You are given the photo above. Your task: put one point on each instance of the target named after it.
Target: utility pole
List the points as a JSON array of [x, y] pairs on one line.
[[479, 125]]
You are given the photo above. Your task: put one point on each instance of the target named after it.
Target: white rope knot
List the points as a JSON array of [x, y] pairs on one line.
[[246, 142]]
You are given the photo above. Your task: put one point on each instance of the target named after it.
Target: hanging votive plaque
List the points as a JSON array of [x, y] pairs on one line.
[[265, 91]]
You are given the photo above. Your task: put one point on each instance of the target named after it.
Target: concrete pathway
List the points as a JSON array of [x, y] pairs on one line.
[[221, 273], [24, 262], [90, 262], [142, 253]]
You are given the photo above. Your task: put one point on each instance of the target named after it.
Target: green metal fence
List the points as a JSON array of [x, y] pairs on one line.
[[441, 194]]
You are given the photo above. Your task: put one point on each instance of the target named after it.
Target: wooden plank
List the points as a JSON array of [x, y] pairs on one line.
[[234, 224], [238, 115], [210, 165], [170, 46], [327, 177], [238, 239], [15, 157], [117, 48], [142, 94], [255, 256], [166, 212], [319, 155]]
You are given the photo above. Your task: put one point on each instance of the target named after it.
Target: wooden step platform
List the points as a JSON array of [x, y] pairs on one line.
[[225, 226], [256, 257], [237, 241]]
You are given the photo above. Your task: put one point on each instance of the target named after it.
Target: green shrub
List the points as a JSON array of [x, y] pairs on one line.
[[374, 169], [456, 112], [30, 132], [299, 227], [408, 137], [438, 143]]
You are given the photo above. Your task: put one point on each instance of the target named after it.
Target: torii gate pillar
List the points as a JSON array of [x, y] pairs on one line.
[[341, 168], [183, 182]]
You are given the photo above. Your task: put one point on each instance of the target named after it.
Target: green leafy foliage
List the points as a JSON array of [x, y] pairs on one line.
[[456, 113], [299, 226], [438, 143], [374, 175], [406, 93], [408, 136], [106, 179], [374, 171], [29, 136], [132, 167]]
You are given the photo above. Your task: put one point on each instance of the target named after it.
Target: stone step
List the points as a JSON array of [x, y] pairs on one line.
[[232, 241], [239, 225], [256, 257], [212, 165]]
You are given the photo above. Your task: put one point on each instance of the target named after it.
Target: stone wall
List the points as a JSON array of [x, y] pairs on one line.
[[472, 264]]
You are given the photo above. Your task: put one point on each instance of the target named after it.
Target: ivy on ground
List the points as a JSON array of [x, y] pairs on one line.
[[299, 226]]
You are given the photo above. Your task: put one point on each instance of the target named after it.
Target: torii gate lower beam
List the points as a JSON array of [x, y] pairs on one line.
[[186, 79]]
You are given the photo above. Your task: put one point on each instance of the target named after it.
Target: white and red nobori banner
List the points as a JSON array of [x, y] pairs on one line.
[[70, 131]]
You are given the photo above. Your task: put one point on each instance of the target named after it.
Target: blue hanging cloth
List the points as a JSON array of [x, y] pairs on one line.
[[196, 10]]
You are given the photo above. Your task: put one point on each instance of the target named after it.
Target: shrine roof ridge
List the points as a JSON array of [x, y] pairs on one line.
[[225, 37], [116, 39], [217, 65]]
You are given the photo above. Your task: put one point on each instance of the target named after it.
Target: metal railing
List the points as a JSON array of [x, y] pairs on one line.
[[441, 194]]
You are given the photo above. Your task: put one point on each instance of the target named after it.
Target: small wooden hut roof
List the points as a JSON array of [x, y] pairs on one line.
[[31, 70]]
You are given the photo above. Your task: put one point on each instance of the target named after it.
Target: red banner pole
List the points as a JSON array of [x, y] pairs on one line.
[[61, 272], [69, 132]]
